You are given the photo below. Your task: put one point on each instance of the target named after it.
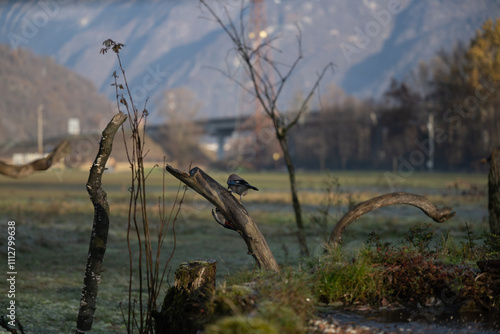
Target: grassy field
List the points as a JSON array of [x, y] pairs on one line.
[[54, 216]]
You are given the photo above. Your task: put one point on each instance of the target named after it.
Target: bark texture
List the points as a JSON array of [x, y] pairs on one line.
[[232, 209], [183, 309], [438, 215], [18, 172], [99, 236], [494, 192], [301, 234]]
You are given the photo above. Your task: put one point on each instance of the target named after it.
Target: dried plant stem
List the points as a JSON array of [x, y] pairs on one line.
[[148, 268]]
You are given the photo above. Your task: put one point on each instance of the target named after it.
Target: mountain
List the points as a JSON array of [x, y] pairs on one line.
[[172, 44], [419, 31], [31, 85]]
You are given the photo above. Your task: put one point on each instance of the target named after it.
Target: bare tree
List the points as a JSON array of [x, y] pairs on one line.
[[268, 79]]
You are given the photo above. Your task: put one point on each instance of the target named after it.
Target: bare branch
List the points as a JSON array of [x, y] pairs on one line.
[[100, 226], [18, 172], [232, 209], [303, 107], [438, 215]]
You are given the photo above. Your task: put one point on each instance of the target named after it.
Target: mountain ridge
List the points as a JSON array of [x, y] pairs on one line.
[[181, 42]]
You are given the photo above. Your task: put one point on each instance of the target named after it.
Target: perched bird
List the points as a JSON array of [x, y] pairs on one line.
[[219, 218], [239, 185]]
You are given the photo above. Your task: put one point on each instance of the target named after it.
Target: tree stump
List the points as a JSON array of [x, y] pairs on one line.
[[183, 309]]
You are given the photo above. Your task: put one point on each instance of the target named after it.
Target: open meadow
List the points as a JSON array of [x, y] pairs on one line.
[[53, 218]]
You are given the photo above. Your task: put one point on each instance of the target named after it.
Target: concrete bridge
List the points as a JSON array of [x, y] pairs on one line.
[[221, 128]]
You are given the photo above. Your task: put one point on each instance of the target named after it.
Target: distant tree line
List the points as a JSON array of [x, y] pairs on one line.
[[444, 115]]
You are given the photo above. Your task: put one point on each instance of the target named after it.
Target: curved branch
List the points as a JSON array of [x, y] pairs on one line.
[[232, 209], [99, 236], [438, 215], [18, 172]]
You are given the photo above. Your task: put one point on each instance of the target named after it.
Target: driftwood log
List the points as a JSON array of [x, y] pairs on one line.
[[18, 172], [100, 227], [438, 215], [232, 210], [183, 309]]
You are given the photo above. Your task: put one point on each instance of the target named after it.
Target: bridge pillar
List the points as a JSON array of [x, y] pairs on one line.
[[220, 146]]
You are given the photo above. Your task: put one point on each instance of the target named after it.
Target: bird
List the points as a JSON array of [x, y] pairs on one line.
[[239, 185], [219, 218]]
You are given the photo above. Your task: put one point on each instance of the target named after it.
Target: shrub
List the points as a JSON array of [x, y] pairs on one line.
[[355, 281]]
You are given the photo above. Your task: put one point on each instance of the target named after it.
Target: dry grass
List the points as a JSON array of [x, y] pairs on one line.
[[54, 216]]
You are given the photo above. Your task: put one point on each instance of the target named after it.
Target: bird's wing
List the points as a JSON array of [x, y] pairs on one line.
[[241, 183], [238, 183]]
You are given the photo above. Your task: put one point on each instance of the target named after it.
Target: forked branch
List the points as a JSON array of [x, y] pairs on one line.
[[232, 209], [438, 215]]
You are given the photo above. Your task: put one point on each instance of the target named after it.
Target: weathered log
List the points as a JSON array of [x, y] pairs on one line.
[[494, 191], [99, 236], [183, 309], [232, 209], [52, 158], [438, 215]]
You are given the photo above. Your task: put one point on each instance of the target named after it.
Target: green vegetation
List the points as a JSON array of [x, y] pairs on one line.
[[415, 271], [54, 218], [419, 272]]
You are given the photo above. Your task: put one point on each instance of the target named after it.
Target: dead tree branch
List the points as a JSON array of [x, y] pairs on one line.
[[232, 209], [18, 172], [438, 215], [494, 191], [99, 237]]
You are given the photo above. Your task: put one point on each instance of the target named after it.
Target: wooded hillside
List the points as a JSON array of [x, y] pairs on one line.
[[28, 80]]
